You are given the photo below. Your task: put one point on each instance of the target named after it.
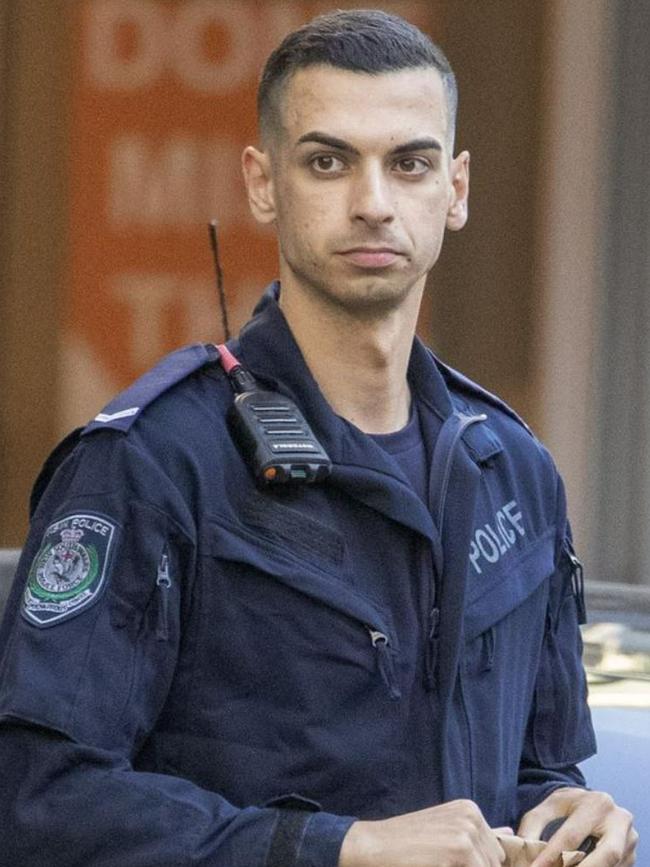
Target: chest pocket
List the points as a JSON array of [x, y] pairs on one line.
[[287, 572]]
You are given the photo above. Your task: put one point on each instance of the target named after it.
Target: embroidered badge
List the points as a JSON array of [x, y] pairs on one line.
[[69, 570]]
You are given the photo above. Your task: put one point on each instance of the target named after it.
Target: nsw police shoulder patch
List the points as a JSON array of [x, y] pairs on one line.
[[69, 571]]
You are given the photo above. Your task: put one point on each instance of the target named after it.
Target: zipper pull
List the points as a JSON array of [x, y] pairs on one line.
[[489, 647], [385, 661], [578, 586], [163, 582], [431, 657]]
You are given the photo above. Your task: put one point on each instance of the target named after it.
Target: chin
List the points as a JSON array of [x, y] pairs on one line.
[[375, 298], [367, 295], [380, 286]]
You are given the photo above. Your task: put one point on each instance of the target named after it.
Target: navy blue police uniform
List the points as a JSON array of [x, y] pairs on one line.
[[199, 671]]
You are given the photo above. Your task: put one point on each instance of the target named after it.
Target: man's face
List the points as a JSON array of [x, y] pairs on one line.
[[361, 184]]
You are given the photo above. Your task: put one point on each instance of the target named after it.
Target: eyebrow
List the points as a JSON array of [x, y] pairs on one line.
[[417, 144]]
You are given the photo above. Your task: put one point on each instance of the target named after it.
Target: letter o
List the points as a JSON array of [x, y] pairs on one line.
[[106, 67], [491, 553], [192, 66]]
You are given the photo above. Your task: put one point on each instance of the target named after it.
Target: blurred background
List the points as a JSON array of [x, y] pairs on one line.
[[121, 126]]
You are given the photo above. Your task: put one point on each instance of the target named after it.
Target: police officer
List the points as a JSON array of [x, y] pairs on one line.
[[380, 668]]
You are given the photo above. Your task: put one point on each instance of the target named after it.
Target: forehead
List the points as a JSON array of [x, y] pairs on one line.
[[388, 106]]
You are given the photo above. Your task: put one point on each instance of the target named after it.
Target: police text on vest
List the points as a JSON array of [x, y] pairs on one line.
[[491, 541]]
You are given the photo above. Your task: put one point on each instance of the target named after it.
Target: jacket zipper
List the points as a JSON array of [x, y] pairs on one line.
[[164, 583], [385, 661], [432, 649], [434, 615]]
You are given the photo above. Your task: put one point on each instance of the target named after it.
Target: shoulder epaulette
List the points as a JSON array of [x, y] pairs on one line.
[[456, 379], [123, 411]]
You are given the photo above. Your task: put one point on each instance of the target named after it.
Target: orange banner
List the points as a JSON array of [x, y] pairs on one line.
[[163, 104]]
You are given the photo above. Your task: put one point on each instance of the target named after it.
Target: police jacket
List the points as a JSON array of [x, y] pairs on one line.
[[197, 671]]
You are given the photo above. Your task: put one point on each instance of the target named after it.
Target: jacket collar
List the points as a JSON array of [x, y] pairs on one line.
[[267, 348]]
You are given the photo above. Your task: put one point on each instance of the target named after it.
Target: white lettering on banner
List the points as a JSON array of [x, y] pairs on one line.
[[173, 39], [493, 540], [193, 66], [88, 522], [179, 182], [95, 526], [110, 69]]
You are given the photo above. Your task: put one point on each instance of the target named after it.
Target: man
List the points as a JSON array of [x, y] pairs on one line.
[[376, 669]]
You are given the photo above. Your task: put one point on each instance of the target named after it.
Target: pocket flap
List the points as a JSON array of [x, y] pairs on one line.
[[240, 544], [508, 586]]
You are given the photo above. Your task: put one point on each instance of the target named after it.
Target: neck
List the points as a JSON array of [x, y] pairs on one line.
[[359, 363]]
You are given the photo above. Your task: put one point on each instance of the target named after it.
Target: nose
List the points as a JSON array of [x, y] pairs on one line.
[[371, 200]]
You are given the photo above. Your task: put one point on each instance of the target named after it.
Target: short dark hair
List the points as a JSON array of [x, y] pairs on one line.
[[360, 40]]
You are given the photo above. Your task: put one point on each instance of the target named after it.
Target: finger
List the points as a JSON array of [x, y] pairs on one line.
[[567, 839], [630, 857], [616, 848], [559, 804], [534, 822], [503, 831], [633, 842], [604, 855], [611, 849], [589, 813]]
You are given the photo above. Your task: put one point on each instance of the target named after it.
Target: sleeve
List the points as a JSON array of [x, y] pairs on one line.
[[559, 733], [89, 646]]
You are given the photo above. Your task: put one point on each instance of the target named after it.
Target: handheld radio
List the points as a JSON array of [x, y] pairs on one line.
[[273, 435]]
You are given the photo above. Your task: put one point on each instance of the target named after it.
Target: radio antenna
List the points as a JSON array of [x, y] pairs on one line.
[[214, 243]]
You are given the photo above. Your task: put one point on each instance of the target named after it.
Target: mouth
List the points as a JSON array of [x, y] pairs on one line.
[[371, 257]]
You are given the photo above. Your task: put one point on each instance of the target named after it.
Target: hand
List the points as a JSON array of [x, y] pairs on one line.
[[588, 813], [451, 835]]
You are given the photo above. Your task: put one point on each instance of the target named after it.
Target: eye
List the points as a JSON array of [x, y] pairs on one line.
[[326, 164], [412, 166]]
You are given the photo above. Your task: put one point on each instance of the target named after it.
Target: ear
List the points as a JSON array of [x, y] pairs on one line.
[[259, 184], [459, 194]]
